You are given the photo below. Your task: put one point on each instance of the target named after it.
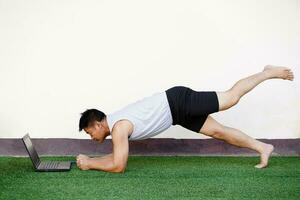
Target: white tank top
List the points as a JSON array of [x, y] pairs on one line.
[[149, 116]]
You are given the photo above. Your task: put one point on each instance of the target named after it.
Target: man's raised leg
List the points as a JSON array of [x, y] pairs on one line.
[[231, 97]]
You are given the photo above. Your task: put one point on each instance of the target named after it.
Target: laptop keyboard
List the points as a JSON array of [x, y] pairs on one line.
[[49, 165]]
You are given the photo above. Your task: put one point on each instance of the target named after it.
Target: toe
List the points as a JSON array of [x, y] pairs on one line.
[[260, 165], [291, 77]]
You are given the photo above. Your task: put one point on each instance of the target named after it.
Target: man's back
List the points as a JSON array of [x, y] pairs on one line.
[[149, 116]]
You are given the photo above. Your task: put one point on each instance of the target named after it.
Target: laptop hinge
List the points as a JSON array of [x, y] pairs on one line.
[[38, 164]]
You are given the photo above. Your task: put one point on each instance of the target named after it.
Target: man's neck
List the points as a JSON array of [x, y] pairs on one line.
[[106, 127]]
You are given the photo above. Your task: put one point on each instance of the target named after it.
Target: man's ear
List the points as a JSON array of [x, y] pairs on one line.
[[99, 124]]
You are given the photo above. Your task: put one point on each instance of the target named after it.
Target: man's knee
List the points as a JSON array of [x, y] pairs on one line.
[[218, 132], [234, 97]]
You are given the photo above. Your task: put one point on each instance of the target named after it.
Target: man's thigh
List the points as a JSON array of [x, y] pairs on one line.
[[211, 127], [227, 99]]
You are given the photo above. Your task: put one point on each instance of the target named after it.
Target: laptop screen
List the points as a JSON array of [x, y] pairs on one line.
[[31, 150]]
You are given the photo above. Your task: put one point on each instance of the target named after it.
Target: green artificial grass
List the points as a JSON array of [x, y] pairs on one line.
[[154, 177]]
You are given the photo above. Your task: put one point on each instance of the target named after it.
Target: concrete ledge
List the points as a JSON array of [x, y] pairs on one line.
[[152, 146]]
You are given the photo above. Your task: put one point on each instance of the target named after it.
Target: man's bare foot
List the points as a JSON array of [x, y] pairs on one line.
[[264, 156], [279, 72]]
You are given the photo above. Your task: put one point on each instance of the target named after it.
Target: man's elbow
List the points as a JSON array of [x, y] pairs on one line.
[[119, 169]]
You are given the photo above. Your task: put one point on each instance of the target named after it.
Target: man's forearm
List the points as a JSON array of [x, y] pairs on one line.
[[104, 163], [108, 156]]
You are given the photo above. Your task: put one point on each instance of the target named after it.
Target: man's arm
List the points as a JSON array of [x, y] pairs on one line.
[[107, 156], [117, 161], [104, 163]]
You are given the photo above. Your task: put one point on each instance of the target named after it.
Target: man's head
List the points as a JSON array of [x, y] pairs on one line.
[[94, 123]]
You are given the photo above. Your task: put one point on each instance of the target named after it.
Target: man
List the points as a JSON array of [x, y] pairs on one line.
[[178, 105]]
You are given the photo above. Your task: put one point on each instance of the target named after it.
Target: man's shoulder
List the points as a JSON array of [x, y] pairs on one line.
[[123, 125]]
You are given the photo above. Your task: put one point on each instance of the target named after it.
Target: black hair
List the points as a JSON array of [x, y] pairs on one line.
[[90, 116]]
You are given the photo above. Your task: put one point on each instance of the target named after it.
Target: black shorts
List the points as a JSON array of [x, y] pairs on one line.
[[190, 108]]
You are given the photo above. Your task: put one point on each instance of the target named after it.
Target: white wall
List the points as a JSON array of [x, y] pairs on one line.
[[58, 58]]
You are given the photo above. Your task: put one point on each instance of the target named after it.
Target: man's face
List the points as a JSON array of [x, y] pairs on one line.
[[96, 131]]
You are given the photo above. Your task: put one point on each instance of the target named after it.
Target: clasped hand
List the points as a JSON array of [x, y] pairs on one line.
[[83, 161]]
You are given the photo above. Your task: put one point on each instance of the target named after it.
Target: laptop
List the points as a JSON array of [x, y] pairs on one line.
[[44, 166]]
